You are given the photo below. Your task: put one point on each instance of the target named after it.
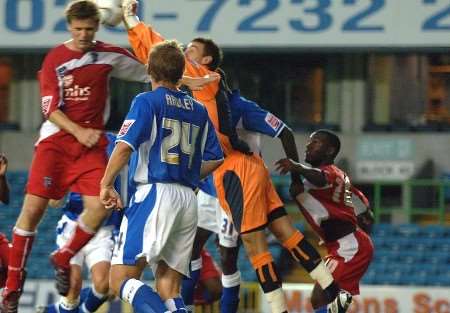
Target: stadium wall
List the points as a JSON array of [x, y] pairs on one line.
[[374, 299]]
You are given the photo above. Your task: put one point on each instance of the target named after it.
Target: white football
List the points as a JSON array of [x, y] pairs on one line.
[[110, 11]]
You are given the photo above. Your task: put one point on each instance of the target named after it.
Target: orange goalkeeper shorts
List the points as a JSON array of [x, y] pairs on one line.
[[245, 191]]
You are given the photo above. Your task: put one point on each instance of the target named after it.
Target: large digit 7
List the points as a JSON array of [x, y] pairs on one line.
[[181, 134], [320, 10], [206, 21]]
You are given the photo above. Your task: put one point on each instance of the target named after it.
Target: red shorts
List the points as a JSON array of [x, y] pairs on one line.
[[348, 259], [4, 255], [209, 271], [209, 268], [60, 162]]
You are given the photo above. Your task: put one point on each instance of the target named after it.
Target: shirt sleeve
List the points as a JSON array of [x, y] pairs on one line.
[[330, 174], [127, 67], [137, 126], [51, 97], [142, 38], [359, 200], [256, 119], [210, 144]]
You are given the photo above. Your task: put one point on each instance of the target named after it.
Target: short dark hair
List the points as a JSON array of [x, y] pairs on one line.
[[82, 10], [332, 139], [211, 49], [166, 62]]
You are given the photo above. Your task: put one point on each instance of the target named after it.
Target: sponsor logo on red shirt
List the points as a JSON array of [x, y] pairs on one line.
[[125, 127], [273, 121]]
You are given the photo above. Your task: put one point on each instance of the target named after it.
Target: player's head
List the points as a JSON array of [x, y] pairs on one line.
[[83, 18], [322, 147], [205, 51], [166, 62]]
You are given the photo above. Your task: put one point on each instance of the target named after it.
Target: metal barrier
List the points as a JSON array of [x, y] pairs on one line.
[[434, 192]]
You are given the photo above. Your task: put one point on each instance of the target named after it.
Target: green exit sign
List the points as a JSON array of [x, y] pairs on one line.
[[392, 149]]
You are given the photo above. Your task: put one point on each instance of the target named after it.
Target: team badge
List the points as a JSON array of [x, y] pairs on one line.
[[273, 121], [45, 104], [47, 182], [67, 80], [125, 127]]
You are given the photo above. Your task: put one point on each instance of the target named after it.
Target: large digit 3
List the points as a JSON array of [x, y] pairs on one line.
[[181, 134], [324, 18]]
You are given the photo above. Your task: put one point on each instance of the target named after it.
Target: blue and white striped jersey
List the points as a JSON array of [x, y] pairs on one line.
[[171, 135]]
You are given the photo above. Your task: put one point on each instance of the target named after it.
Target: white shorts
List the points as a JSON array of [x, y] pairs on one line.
[[212, 217], [159, 224], [98, 249]]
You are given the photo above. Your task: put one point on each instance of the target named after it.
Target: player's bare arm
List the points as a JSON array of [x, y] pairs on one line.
[[313, 175], [4, 188], [197, 83], [290, 149], [119, 158], [86, 136], [208, 167]]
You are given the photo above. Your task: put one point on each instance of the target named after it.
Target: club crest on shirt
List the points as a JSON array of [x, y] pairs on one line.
[[273, 121], [125, 127], [68, 80], [48, 181], [45, 104]]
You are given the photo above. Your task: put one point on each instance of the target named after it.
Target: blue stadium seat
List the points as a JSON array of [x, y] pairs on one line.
[[409, 230]]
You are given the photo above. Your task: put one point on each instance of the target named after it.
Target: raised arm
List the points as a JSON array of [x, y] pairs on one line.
[[314, 175], [141, 37]]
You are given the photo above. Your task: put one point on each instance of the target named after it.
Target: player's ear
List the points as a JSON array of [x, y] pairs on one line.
[[330, 151], [207, 60]]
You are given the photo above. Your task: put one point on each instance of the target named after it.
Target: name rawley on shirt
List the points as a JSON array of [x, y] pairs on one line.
[[186, 103]]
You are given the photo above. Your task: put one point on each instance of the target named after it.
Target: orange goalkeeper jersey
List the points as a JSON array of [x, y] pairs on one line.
[[142, 37]]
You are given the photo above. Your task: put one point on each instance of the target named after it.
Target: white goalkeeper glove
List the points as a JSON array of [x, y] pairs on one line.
[[129, 8]]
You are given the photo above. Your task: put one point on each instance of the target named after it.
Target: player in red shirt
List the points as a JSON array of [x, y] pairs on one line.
[[70, 152], [325, 200], [209, 287], [4, 198]]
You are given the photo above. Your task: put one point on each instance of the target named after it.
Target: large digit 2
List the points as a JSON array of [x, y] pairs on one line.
[[60, 25], [354, 23], [324, 18], [181, 134], [433, 22], [170, 141], [36, 11]]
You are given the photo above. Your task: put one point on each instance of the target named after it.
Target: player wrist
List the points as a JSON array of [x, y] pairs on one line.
[[130, 17], [131, 21]]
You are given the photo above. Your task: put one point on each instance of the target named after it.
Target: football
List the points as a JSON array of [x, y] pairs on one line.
[[110, 11]]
